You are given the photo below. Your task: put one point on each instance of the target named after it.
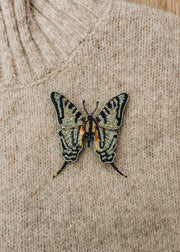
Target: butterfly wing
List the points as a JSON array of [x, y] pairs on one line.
[[111, 115], [105, 143], [67, 113], [71, 140], [72, 122], [108, 121]]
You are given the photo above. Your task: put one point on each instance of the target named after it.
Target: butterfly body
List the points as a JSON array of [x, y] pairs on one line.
[[102, 128], [90, 128]]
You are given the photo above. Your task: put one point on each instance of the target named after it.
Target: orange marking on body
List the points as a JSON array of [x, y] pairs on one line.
[[87, 126], [81, 133], [96, 140], [93, 127]]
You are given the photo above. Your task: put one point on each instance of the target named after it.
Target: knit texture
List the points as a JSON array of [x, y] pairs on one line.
[[91, 50]]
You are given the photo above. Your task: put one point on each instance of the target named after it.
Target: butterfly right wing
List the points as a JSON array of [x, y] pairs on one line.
[[72, 122], [108, 121], [105, 143], [111, 115]]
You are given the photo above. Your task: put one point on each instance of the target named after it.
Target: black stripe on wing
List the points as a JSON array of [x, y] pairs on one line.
[[57, 100], [122, 99]]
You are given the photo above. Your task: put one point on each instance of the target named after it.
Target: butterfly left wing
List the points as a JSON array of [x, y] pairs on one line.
[[71, 140], [67, 113], [72, 122], [108, 121]]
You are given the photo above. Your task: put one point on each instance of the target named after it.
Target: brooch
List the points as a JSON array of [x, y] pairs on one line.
[[102, 128]]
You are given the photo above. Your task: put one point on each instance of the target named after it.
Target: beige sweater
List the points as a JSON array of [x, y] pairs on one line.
[[90, 50]]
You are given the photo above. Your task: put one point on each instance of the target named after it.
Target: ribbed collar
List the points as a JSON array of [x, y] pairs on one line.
[[37, 36]]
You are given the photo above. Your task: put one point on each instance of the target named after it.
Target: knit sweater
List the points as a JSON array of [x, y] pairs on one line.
[[88, 50]]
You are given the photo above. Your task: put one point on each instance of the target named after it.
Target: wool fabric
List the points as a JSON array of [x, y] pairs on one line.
[[88, 50]]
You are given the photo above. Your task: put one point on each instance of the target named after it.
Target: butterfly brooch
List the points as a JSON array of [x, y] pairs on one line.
[[102, 128]]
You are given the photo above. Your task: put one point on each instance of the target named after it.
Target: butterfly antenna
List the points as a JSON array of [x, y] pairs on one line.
[[85, 107], [55, 175], [115, 168], [97, 103]]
